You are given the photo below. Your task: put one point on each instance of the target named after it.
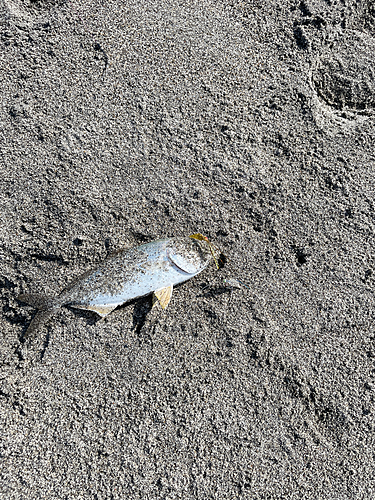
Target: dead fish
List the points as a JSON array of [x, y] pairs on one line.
[[154, 267]]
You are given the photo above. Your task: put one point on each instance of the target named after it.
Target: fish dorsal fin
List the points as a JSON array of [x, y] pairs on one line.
[[164, 295], [103, 309]]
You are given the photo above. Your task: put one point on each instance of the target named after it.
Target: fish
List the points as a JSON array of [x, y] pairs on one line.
[[154, 267]]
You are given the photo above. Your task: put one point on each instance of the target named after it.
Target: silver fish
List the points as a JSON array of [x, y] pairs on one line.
[[153, 267]]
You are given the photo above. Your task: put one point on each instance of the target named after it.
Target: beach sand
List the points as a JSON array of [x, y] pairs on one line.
[[252, 123]]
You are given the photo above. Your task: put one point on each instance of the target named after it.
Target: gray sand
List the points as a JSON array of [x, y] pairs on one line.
[[250, 122]]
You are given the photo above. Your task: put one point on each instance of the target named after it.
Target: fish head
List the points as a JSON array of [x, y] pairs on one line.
[[204, 241], [189, 255]]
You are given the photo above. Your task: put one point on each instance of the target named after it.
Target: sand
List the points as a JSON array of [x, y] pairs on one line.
[[252, 123]]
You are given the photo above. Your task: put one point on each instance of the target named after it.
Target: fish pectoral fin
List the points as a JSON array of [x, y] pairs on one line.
[[103, 309], [164, 296]]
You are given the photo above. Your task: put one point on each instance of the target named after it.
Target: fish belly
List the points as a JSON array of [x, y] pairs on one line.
[[142, 284]]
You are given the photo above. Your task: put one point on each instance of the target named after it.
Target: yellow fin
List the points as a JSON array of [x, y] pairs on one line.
[[164, 295], [102, 310], [198, 236]]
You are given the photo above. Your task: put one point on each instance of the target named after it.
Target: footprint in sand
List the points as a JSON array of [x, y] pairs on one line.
[[28, 10], [343, 76]]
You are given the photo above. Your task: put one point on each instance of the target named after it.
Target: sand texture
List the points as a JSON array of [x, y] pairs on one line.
[[252, 122]]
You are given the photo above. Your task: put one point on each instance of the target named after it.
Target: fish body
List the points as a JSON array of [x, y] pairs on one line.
[[137, 272], [153, 267]]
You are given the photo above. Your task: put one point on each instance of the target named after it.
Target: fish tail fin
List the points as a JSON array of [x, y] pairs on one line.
[[37, 322], [46, 306], [37, 300]]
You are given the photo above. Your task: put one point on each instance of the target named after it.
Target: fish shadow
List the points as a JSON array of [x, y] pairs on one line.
[[141, 311], [91, 317]]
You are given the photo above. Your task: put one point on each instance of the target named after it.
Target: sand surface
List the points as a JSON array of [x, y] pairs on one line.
[[252, 122]]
